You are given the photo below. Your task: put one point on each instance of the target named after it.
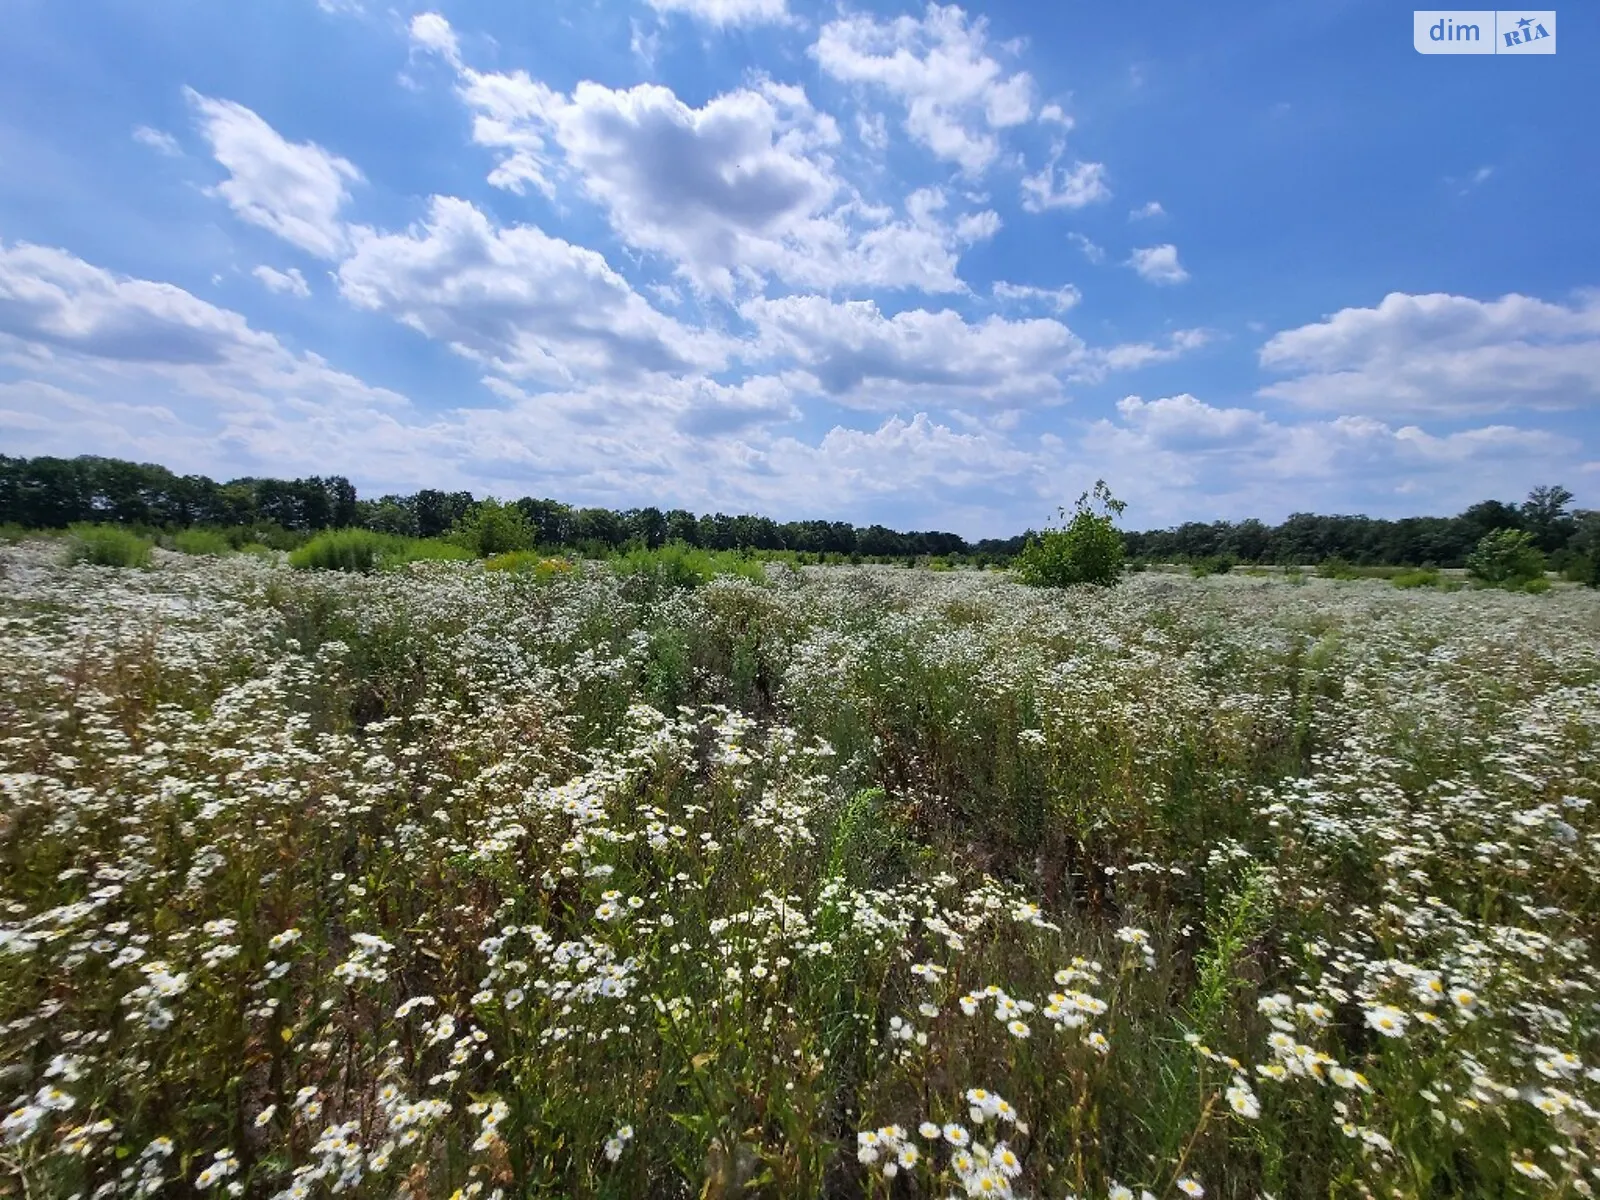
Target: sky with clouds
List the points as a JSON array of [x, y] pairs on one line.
[[936, 267]]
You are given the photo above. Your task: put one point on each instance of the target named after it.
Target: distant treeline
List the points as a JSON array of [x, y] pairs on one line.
[[52, 493]]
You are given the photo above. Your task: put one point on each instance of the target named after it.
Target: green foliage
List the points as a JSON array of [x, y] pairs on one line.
[[1216, 564], [871, 847], [493, 528], [203, 542], [1087, 550], [361, 550], [676, 565], [1506, 558], [1537, 586], [107, 546], [1426, 578], [530, 562], [344, 550], [427, 550]]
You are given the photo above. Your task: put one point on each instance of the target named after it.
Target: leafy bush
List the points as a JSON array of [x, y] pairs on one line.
[[363, 550], [107, 546], [677, 565], [412, 550], [1428, 577], [1506, 558], [1537, 587], [343, 550], [494, 528], [204, 542], [1087, 550], [541, 567], [1215, 564]]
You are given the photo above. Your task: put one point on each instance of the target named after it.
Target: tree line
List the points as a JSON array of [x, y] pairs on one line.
[[53, 493]]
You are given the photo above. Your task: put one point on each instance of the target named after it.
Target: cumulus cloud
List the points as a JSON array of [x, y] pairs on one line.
[[1077, 186], [723, 13], [1148, 211], [430, 31], [956, 95], [858, 355], [158, 140], [174, 374], [738, 190], [290, 281], [520, 301], [53, 300], [1444, 354], [1060, 299], [292, 189], [1159, 264], [1179, 453]]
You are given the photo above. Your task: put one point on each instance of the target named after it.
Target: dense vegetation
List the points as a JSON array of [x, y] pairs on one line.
[[565, 880], [52, 493]]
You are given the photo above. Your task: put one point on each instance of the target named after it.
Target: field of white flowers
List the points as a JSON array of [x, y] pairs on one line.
[[863, 882]]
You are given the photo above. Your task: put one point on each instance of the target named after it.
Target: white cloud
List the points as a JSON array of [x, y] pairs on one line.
[[1129, 356], [736, 191], [518, 300], [955, 93], [1060, 299], [1094, 253], [1179, 455], [1147, 211], [294, 190], [283, 281], [53, 301], [873, 130], [860, 356], [1158, 264], [159, 141], [1078, 186], [1054, 114], [723, 13], [178, 377], [1443, 353], [432, 32]]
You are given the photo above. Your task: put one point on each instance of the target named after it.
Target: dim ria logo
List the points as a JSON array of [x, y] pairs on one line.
[[1486, 31]]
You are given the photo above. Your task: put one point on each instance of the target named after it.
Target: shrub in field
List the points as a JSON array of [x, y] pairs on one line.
[[209, 543], [1506, 558], [344, 550], [677, 565], [1428, 577], [410, 550], [1216, 564], [493, 528], [107, 546], [1087, 549], [542, 567]]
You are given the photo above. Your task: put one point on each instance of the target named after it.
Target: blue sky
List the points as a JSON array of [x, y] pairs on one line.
[[939, 267]]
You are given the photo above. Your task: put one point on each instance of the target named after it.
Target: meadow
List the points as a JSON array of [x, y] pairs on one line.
[[445, 881]]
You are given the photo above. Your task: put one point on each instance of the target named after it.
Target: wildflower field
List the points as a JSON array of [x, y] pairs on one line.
[[441, 881]]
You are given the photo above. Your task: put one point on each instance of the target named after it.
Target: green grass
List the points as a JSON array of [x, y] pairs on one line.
[[107, 546], [676, 565], [362, 551], [208, 543]]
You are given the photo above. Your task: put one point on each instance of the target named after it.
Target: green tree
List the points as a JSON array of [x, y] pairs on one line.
[[1088, 549], [1545, 516], [1506, 558], [493, 528]]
